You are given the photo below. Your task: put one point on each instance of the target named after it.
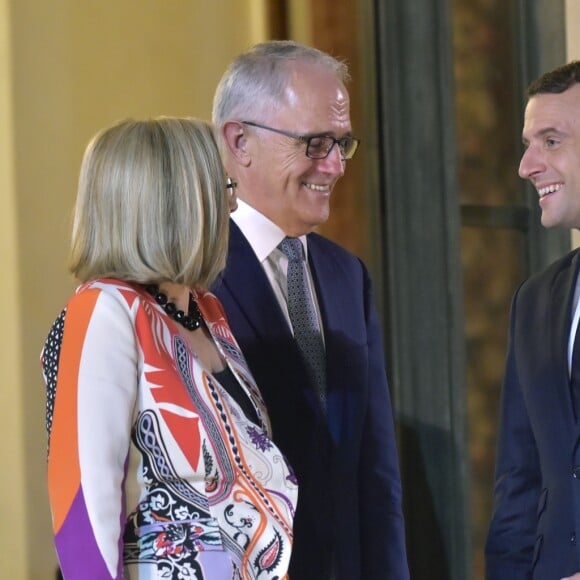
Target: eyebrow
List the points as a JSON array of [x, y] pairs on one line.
[[543, 133], [328, 134]]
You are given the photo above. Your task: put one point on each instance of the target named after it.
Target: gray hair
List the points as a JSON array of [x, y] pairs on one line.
[[151, 204], [256, 80]]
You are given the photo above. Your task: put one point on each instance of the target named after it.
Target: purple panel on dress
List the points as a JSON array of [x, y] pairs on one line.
[[78, 553], [216, 564]]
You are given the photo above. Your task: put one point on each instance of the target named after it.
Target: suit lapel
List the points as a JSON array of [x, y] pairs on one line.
[[245, 271], [561, 303], [332, 314], [328, 295]]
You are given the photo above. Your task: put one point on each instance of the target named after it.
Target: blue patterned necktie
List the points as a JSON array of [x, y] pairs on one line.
[[303, 316]]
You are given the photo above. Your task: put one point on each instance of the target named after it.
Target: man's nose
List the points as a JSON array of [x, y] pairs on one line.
[[531, 163], [333, 163]]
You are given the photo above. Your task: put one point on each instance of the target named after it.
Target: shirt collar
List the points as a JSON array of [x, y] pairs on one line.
[[262, 234]]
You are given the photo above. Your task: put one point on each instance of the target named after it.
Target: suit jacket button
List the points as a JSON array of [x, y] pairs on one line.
[[576, 472], [573, 538]]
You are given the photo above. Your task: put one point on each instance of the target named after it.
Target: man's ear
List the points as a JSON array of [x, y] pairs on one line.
[[235, 139]]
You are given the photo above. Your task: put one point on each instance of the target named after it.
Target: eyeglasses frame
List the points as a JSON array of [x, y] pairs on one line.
[[306, 139]]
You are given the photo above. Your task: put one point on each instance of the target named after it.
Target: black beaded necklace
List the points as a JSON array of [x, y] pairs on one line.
[[191, 321]]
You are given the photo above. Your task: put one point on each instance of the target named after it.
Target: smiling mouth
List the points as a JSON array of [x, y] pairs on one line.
[[314, 187], [543, 191]]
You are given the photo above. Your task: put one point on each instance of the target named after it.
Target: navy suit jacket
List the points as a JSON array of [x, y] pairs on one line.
[[536, 519], [349, 499]]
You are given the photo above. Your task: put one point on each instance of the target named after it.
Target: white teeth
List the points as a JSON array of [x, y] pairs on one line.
[[549, 189], [316, 187]]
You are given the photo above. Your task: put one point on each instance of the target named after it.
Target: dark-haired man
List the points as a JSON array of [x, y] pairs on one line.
[[535, 528]]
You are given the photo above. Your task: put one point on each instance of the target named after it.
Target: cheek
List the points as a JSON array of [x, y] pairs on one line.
[[293, 163], [575, 164]]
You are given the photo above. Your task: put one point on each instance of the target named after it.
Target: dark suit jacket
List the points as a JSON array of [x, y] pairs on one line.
[[349, 500], [536, 519]]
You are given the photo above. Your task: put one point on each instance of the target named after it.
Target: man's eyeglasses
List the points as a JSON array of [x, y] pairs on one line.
[[317, 146]]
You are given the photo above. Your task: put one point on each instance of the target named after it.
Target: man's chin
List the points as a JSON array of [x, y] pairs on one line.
[[550, 222]]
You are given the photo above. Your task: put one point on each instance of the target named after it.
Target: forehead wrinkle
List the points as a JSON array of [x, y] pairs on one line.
[[339, 110], [341, 107]]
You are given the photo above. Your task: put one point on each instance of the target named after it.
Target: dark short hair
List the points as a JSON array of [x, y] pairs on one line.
[[556, 81]]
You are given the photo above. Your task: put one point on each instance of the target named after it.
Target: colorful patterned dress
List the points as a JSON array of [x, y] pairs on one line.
[[154, 470]]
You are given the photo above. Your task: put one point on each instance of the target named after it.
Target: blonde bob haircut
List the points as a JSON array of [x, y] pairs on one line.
[[151, 204]]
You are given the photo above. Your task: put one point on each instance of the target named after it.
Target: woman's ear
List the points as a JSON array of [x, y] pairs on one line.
[[235, 139]]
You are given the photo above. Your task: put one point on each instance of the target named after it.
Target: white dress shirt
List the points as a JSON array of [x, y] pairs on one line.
[[574, 325]]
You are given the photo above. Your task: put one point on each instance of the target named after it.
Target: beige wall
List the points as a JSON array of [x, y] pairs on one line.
[[12, 493], [68, 68]]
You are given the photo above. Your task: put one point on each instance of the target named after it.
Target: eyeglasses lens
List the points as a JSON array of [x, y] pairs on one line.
[[319, 147]]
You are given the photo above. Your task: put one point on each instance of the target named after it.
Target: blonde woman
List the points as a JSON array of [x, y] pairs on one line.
[[161, 463]]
